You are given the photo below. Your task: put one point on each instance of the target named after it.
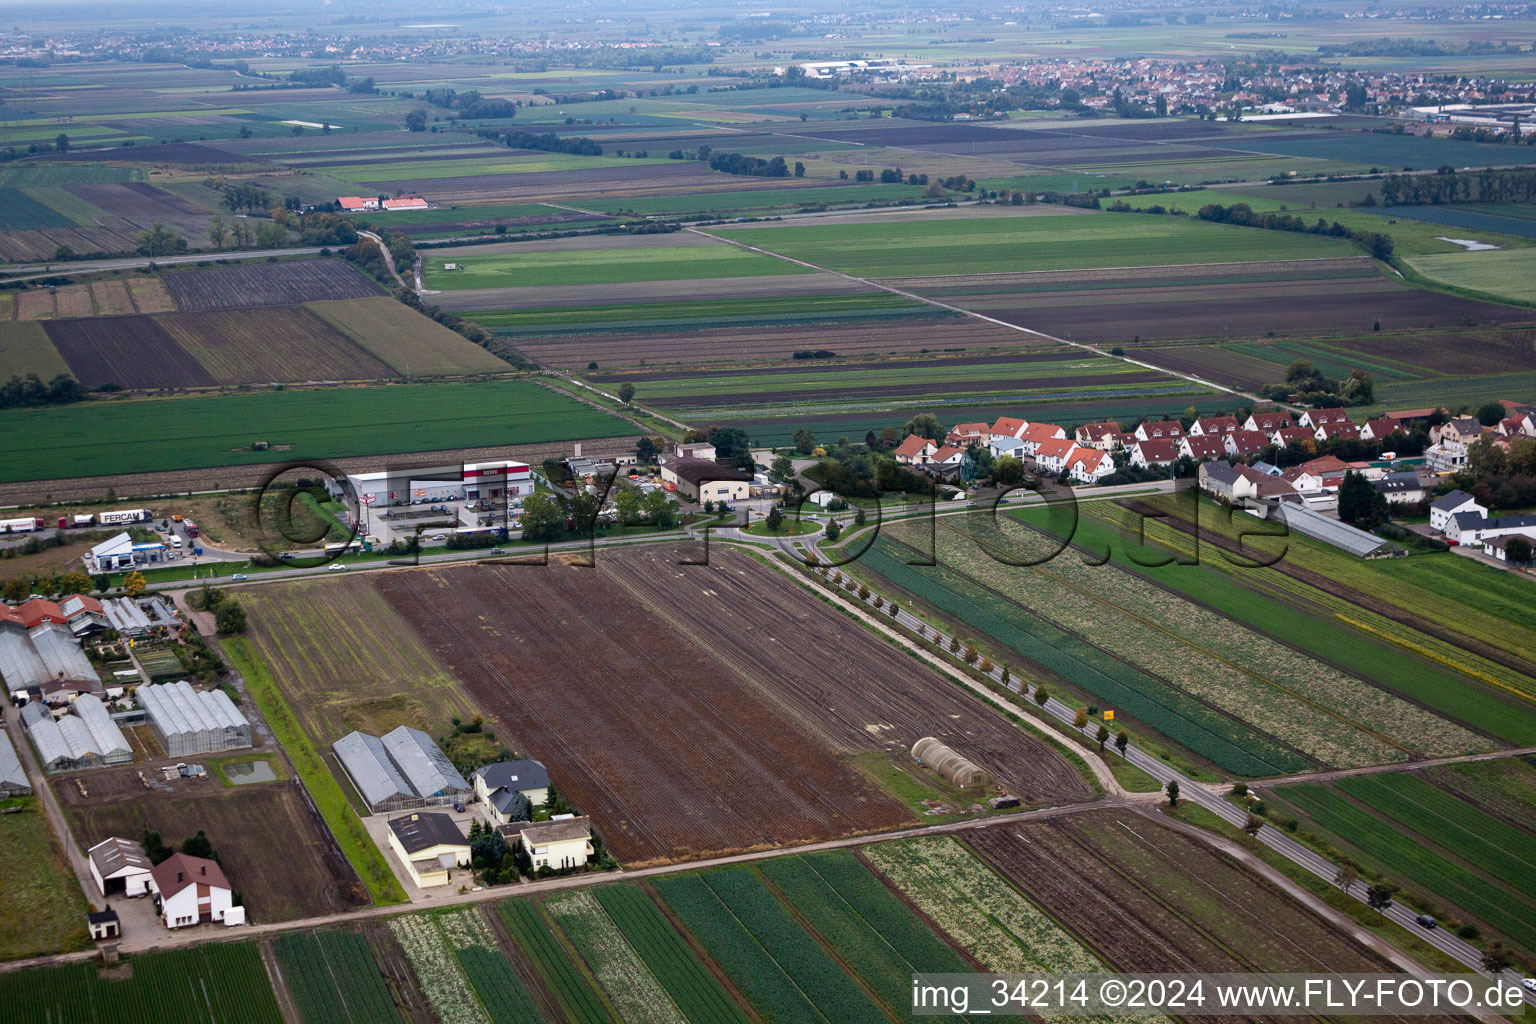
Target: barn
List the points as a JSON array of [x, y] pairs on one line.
[[400, 770], [189, 721]]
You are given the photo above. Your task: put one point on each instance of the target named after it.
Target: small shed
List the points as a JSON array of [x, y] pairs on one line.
[[959, 770], [104, 924]]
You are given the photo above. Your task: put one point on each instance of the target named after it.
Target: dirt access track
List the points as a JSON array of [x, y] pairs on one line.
[[696, 711]]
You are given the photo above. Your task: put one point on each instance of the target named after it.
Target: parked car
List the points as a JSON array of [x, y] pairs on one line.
[[439, 536], [238, 576], [1426, 922]]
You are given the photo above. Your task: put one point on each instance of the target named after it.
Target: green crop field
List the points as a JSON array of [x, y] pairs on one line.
[[1502, 273], [891, 248], [536, 937], [46, 911], [218, 981], [701, 313], [1438, 864], [411, 170], [1298, 616], [481, 269], [333, 978], [756, 199], [143, 436]]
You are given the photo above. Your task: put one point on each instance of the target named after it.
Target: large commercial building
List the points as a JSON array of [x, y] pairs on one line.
[[88, 738], [479, 481], [189, 721], [400, 770]]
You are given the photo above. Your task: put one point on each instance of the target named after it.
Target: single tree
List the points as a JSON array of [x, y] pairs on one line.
[[661, 509], [834, 530], [1252, 824], [1379, 896], [1173, 792], [230, 618], [1346, 877], [1122, 740], [61, 142], [1496, 959], [626, 392], [134, 584], [858, 516], [1517, 550], [1042, 695], [1103, 736], [775, 519], [1080, 718]]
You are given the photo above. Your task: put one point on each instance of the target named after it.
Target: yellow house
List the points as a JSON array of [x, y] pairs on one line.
[[557, 844], [430, 845], [705, 480]]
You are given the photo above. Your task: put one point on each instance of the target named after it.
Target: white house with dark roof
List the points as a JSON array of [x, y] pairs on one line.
[[1447, 505], [509, 790], [120, 866]]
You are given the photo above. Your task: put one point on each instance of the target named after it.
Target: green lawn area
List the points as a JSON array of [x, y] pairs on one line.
[[406, 170], [147, 435], [535, 268], [44, 908], [1505, 273], [890, 248], [712, 312], [323, 788], [26, 348]]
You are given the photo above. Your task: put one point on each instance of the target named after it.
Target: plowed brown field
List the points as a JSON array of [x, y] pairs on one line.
[[695, 710]]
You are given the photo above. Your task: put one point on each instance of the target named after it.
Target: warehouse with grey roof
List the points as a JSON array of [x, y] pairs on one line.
[[400, 770], [189, 721]]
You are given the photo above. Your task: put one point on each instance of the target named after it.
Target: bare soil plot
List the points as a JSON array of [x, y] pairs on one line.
[[1215, 363], [150, 295], [667, 744], [1149, 898], [936, 389], [137, 201], [34, 305], [129, 351], [273, 845], [404, 340], [72, 300], [112, 298], [346, 660], [1233, 310], [282, 344], [836, 679], [267, 284], [756, 344]]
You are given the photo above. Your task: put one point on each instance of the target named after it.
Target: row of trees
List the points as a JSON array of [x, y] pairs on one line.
[[752, 166], [1449, 186], [1377, 243], [32, 390]]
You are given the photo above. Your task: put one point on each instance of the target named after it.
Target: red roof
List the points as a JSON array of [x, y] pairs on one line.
[[1205, 447], [1091, 457], [1159, 450], [1053, 447], [1317, 417], [1345, 429], [912, 445], [1009, 426], [1041, 432], [1218, 424], [1412, 414], [351, 202], [179, 870], [1288, 434], [1163, 428], [1249, 441], [30, 613], [1384, 425], [1271, 420], [946, 453], [1094, 431]]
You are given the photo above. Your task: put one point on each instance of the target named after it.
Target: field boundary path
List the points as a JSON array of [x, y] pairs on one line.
[[1084, 346], [389, 259], [1378, 769]]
